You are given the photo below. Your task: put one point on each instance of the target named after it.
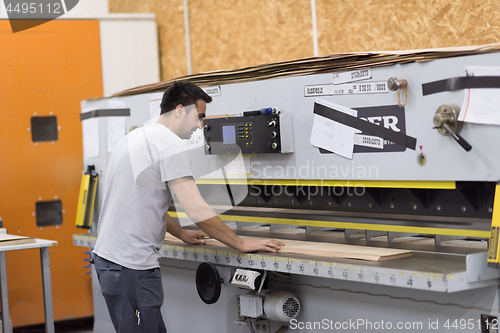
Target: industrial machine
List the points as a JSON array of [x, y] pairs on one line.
[[385, 150]]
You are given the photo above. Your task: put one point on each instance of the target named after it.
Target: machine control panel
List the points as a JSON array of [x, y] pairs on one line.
[[259, 134], [245, 133]]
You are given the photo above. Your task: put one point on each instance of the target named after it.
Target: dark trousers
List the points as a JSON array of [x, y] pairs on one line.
[[133, 297]]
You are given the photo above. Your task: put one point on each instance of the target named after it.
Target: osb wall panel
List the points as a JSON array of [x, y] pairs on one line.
[[376, 25], [172, 37], [240, 33]]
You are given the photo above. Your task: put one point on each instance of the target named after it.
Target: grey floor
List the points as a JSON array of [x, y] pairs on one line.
[[83, 325]]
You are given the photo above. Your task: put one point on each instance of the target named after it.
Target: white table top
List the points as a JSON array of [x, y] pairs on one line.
[[39, 243]]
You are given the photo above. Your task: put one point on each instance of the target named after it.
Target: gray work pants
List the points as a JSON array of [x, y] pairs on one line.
[[133, 297]]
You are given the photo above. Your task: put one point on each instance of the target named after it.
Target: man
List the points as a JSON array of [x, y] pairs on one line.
[[143, 169]]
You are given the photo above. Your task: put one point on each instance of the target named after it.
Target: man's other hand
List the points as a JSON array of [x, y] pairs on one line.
[[193, 236], [260, 244]]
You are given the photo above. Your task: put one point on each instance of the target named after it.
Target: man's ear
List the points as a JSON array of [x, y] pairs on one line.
[[178, 110]]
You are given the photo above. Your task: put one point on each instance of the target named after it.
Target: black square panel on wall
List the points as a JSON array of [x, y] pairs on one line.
[[48, 213], [44, 129]]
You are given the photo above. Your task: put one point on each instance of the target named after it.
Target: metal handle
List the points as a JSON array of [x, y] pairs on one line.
[[459, 139]]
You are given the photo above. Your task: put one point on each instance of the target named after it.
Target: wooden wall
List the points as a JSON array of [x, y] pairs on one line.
[[238, 33]]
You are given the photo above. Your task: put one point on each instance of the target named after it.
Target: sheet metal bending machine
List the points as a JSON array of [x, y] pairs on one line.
[[388, 151]]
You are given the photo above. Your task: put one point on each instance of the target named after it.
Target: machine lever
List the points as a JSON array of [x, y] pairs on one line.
[[461, 141], [446, 122]]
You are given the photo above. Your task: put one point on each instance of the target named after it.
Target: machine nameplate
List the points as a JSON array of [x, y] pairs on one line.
[[352, 76], [346, 89], [213, 91]]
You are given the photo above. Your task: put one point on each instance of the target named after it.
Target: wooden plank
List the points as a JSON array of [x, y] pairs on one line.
[[332, 250], [229, 115], [328, 250], [6, 239]]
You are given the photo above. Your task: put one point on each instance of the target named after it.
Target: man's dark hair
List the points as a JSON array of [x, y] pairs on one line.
[[185, 93]]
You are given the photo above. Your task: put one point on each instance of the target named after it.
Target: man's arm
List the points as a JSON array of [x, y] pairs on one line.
[[218, 230], [205, 218], [187, 236]]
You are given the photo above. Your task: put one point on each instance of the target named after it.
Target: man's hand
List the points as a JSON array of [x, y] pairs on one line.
[[260, 244], [192, 236], [205, 218]]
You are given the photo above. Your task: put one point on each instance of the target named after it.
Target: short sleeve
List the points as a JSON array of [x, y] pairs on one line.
[[175, 162]]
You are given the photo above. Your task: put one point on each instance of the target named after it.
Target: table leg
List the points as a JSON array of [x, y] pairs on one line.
[[5, 295], [47, 290]]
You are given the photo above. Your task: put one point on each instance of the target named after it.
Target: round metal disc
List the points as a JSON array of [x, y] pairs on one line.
[[208, 283]]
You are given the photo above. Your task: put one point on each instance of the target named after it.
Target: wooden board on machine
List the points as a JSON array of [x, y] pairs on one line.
[[6, 239], [327, 250], [314, 65]]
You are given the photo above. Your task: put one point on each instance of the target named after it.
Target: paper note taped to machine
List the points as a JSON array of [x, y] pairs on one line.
[[331, 135], [481, 106]]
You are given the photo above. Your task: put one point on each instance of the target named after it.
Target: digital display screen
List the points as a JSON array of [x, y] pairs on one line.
[[229, 134]]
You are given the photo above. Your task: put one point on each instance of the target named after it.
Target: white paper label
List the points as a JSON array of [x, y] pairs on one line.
[[481, 106], [331, 135], [212, 91], [368, 141], [154, 106], [346, 89], [352, 76]]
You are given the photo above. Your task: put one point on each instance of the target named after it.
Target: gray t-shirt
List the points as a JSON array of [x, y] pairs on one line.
[[132, 223]]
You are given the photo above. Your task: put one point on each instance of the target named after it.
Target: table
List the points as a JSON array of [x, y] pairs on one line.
[[43, 245]]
